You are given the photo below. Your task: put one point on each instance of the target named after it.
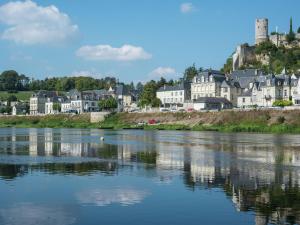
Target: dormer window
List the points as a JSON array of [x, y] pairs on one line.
[[269, 82], [211, 78], [202, 79], [279, 83]]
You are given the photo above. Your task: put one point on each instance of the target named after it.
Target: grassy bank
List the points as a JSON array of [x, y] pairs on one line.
[[265, 121], [51, 121]]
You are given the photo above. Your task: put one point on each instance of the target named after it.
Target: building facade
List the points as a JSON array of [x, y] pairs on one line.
[[174, 96], [207, 84]]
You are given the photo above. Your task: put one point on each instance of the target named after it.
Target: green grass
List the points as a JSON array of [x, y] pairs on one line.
[[21, 95], [115, 121], [51, 121], [278, 128]]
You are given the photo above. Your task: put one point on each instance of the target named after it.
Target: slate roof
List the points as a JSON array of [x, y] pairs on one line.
[[246, 73], [178, 87], [218, 76], [45, 94]]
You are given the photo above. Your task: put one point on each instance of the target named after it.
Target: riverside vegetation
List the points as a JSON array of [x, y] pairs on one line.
[[263, 121]]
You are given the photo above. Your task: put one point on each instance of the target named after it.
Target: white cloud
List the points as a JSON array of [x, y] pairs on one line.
[[187, 7], [102, 197], [162, 72], [107, 52], [85, 73], [29, 23]]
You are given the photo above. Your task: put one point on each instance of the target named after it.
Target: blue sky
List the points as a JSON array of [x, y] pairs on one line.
[[131, 39]]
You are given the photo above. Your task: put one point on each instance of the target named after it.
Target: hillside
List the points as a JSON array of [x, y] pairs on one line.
[[21, 95], [270, 59]]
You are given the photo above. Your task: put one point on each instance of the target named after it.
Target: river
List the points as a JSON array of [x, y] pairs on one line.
[[71, 176]]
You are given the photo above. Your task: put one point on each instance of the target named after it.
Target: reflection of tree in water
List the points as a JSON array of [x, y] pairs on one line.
[[10, 172]]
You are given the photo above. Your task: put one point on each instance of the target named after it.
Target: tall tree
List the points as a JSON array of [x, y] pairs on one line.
[[148, 96], [291, 34], [190, 73]]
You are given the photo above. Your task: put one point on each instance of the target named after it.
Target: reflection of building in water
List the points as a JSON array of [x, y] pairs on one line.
[[48, 142], [33, 142], [169, 158]]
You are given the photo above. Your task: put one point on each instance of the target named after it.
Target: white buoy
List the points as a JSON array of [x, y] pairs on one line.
[[102, 138]]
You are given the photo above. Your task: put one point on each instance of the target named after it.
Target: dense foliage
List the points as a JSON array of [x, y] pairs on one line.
[[190, 73], [148, 96], [11, 81], [282, 103], [108, 104]]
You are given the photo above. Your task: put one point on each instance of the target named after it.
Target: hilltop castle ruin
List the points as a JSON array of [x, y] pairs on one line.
[[245, 53]]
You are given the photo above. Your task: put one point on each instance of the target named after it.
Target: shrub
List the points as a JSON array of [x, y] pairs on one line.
[[282, 103]]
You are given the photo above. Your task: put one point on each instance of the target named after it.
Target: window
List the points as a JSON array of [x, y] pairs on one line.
[[181, 93], [285, 93], [244, 100], [225, 89]]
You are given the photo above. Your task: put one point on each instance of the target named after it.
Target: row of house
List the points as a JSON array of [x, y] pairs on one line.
[[74, 101], [212, 89]]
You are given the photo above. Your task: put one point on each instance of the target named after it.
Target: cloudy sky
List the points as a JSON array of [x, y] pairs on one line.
[[131, 39]]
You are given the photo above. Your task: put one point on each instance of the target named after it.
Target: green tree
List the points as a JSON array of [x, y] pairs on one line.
[[298, 31], [227, 68], [9, 80], [12, 98], [190, 73], [108, 104], [148, 96], [161, 82], [291, 34], [57, 106]]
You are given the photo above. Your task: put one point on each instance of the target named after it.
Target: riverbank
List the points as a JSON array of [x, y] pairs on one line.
[[262, 121], [47, 121]]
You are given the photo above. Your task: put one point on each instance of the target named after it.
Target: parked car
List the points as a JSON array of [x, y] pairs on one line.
[[152, 121], [164, 110]]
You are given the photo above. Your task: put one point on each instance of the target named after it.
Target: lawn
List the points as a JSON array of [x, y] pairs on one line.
[[21, 95]]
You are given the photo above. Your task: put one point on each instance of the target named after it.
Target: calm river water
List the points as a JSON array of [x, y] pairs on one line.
[[70, 176]]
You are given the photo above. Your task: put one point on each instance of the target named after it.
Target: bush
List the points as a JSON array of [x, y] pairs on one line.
[[282, 103]]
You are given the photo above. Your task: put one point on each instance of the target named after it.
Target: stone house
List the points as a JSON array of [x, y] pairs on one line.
[[49, 105], [85, 101], [230, 89], [38, 100], [207, 84], [265, 90], [174, 96]]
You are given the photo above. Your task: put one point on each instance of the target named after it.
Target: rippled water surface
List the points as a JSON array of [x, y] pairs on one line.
[[70, 176]]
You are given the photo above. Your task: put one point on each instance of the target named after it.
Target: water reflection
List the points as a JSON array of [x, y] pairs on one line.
[[106, 196], [258, 173], [31, 214]]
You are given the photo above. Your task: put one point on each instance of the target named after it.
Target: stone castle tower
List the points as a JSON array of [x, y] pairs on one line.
[[261, 30]]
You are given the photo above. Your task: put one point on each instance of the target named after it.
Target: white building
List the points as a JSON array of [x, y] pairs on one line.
[[207, 84], [171, 96], [38, 100]]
